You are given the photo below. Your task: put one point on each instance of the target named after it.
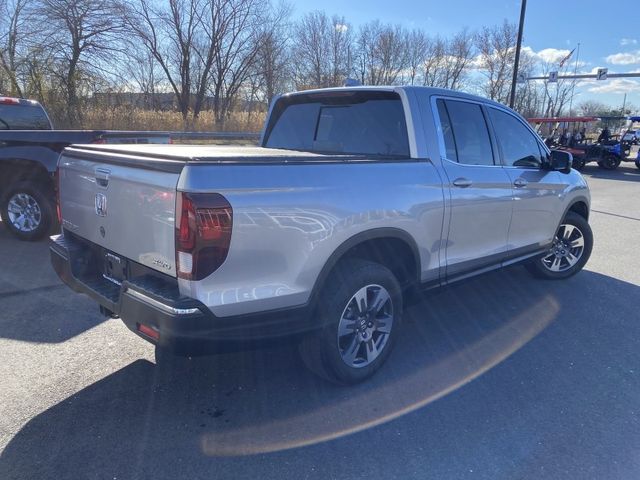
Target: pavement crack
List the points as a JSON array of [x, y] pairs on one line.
[[616, 215]]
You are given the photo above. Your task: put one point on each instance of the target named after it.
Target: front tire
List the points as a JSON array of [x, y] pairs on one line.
[[28, 211], [570, 251], [638, 164], [578, 163], [360, 311]]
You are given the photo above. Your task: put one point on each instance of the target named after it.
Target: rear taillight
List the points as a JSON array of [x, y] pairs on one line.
[[57, 187], [203, 233], [99, 140]]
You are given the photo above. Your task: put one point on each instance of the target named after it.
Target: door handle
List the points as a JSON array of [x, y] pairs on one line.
[[102, 176], [520, 182], [462, 182]]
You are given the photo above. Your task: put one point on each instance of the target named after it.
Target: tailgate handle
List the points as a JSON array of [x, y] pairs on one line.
[[102, 176]]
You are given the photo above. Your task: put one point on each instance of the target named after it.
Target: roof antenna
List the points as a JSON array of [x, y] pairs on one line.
[[352, 82]]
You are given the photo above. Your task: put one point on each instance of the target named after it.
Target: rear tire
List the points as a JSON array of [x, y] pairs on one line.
[[574, 240], [360, 311], [28, 210], [611, 162]]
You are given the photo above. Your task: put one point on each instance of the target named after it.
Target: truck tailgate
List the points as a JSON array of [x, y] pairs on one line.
[[127, 209]]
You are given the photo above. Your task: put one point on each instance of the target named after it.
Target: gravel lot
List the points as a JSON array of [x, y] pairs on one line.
[[500, 377]]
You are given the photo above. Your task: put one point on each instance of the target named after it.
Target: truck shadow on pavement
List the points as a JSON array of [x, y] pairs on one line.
[[626, 172], [146, 422], [35, 306]]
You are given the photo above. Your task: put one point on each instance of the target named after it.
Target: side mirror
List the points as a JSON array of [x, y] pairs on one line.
[[561, 161]]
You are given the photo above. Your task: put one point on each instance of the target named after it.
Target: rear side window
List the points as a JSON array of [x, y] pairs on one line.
[[519, 146], [468, 141], [447, 132], [371, 124], [23, 117]]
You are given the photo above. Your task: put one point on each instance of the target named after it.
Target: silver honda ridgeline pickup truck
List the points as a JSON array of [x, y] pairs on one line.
[[354, 196]]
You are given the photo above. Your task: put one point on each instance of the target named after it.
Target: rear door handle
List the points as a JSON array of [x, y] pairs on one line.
[[520, 182], [462, 182]]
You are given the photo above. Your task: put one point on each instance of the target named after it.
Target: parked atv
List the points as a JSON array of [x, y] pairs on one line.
[[608, 157]]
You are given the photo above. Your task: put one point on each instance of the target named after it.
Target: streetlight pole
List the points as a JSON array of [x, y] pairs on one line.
[[512, 98]]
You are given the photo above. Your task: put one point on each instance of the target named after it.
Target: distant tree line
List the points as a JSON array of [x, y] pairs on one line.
[[230, 54]]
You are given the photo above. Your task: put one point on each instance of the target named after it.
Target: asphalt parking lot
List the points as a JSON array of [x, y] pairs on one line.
[[500, 377]]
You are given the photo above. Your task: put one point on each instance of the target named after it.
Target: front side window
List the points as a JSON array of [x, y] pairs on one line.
[[469, 133], [519, 146]]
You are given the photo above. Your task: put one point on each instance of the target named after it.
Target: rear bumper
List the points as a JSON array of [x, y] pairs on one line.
[[183, 325]]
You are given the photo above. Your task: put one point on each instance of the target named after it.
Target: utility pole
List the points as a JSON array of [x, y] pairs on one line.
[[512, 98]]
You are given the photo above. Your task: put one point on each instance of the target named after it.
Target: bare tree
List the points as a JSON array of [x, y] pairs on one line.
[[458, 57], [80, 35], [590, 108], [557, 93], [143, 74], [382, 53], [417, 43], [232, 30], [496, 46], [12, 33], [272, 72], [322, 50], [433, 63], [311, 50], [341, 58], [169, 34]]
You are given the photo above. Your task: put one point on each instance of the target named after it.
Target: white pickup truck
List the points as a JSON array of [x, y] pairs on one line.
[[354, 196]]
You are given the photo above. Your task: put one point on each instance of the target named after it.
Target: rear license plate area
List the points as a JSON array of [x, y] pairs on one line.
[[116, 268]]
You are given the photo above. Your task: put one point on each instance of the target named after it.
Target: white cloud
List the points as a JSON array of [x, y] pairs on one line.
[[616, 85], [554, 55], [627, 58], [628, 41], [340, 27]]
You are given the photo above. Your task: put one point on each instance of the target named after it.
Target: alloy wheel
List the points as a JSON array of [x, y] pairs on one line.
[[24, 212], [365, 326], [567, 249]]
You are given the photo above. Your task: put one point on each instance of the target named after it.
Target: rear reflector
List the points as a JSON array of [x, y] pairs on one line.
[[148, 331]]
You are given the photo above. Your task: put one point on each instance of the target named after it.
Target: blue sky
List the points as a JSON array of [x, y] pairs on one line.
[[608, 37]]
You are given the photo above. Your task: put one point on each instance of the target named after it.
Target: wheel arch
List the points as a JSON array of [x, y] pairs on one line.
[[392, 247], [579, 206], [19, 170]]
